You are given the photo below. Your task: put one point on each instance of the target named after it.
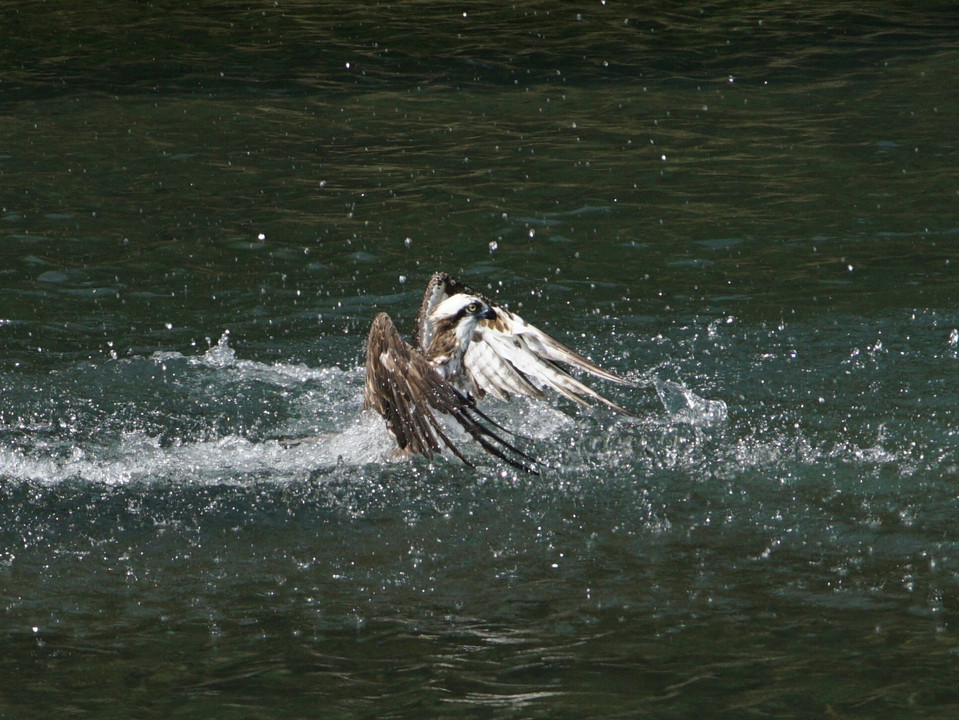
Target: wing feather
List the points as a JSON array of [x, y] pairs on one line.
[[509, 356], [521, 358], [541, 344], [405, 389], [493, 372]]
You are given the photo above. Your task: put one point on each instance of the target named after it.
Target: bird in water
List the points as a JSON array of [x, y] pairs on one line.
[[466, 347]]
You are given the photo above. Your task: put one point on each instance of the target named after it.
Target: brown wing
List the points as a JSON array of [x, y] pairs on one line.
[[405, 389]]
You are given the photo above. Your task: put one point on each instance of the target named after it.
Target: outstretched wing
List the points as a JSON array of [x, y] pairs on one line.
[[405, 389], [509, 356]]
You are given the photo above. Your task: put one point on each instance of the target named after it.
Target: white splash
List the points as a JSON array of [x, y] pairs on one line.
[[684, 406], [231, 459]]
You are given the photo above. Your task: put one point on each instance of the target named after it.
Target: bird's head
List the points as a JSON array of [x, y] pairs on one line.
[[460, 314]]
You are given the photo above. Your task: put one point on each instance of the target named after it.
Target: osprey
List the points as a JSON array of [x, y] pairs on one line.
[[465, 347]]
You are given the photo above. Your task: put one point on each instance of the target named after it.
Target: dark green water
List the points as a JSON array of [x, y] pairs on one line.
[[201, 209]]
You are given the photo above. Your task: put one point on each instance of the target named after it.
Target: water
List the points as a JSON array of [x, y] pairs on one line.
[[750, 214]]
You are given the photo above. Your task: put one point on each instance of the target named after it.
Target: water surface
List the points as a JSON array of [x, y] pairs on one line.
[[202, 209]]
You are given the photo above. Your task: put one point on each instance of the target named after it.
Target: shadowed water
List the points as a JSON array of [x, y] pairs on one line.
[[751, 214]]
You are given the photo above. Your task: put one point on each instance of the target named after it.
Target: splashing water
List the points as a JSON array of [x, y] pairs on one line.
[[684, 406], [216, 417], [220, 355]]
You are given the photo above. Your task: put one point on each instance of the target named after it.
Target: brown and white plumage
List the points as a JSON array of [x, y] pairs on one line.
[[406, 388], [466, 346], [509, 356]]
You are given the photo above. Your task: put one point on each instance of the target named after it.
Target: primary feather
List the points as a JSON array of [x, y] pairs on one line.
[[403, 387]]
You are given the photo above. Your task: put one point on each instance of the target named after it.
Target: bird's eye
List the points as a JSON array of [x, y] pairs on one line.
[[473, 307]]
